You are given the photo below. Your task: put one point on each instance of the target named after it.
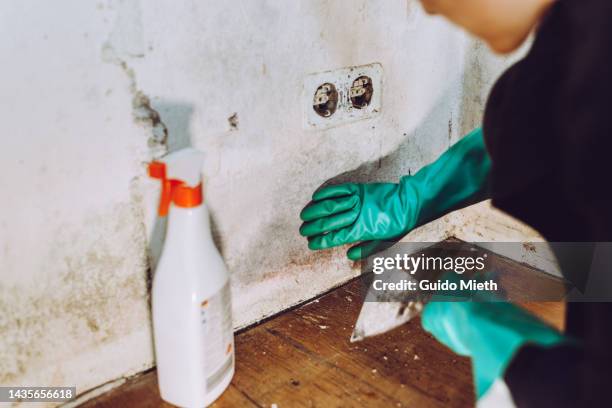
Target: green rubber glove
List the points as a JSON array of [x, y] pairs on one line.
[[350, 213], [489, 332]]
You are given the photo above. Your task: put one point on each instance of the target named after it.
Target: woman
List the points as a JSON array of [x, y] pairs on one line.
[[541, 156]]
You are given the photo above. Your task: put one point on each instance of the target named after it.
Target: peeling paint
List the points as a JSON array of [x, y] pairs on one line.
[[127, 35], [144, 113], [125, 41], [142, 110]]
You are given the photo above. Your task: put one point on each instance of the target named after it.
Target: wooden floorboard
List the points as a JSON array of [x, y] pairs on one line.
[[303, 358]]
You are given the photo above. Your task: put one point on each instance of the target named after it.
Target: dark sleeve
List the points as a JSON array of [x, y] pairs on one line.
[[540, 377], [548, 126], [575, 375], [559, 377], [585, 114]]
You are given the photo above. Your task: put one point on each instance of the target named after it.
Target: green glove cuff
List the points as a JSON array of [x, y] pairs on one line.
[[488, 332], [350, 213], [457, 179]]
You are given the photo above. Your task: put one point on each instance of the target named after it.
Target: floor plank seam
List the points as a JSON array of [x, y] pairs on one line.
[[247, 396], [297, 345]]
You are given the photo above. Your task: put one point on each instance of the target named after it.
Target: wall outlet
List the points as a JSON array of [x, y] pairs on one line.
[[342, 96]]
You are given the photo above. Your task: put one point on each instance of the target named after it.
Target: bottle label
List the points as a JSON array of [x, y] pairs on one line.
[[216, 318]]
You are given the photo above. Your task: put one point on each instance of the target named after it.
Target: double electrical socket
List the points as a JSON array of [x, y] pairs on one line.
[[342, 96]]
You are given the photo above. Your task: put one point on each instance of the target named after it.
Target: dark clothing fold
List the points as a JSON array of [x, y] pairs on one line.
[[548, 129]]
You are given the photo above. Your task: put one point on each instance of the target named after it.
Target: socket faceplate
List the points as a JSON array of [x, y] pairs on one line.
[[359, 96]]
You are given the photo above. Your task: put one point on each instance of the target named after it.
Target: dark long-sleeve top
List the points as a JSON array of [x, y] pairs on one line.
[[548, 129]]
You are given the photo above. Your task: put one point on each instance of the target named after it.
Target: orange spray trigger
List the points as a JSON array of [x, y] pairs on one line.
[[175, 191], [157, 170]]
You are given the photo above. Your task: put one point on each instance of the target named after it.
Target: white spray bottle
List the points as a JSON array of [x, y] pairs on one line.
[[192, 322]]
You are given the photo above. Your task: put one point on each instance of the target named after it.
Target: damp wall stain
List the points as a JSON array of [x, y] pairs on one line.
[[98, 293]]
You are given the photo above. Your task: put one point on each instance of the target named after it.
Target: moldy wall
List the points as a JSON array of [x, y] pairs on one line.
[[93, 89]]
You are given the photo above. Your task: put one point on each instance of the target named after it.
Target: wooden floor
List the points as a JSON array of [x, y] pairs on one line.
[[303, 358]]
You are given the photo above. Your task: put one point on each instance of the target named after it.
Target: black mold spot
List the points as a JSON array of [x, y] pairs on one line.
[[233, 121]]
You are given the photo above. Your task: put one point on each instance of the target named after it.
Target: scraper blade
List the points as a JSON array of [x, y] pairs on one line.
[[380, 317], [385, 310]]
